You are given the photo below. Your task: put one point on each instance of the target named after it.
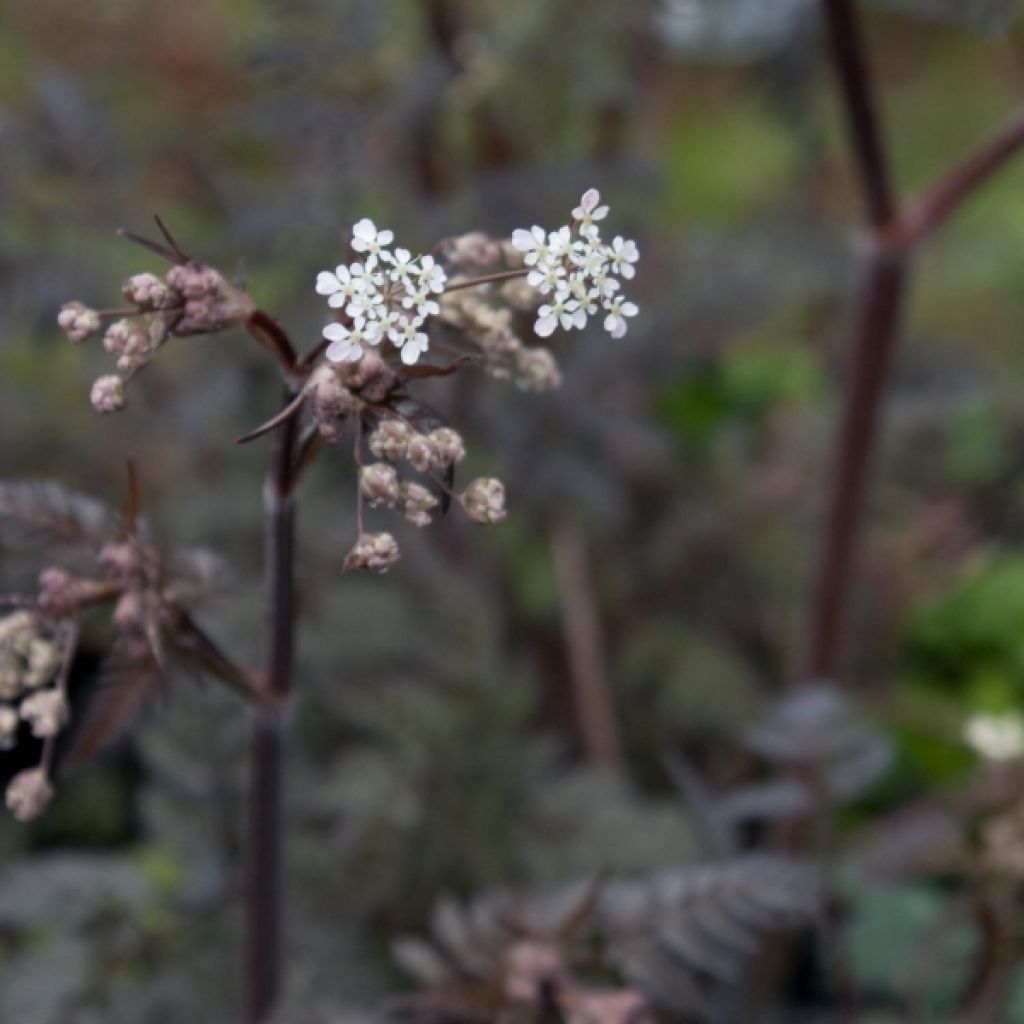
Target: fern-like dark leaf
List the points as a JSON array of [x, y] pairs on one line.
[[129, 680], [40, 512], [682, 934]]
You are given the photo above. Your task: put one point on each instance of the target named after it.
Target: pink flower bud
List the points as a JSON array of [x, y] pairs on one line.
[[416, 503], [484, 500], [78, 321], [377, 552], [448, 445], [378, 484], [146, 290], [107, 394], [46, 712], [391, 440], [29, 793], [422, 453]]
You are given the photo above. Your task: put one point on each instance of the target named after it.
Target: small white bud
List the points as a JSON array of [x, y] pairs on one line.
[[46, 712], [29, 793], [422, 453], [146, 290], [449, 446], [417, 501], [537, 370], [378, 484], [390, 440], [107, 394], [377, 552], [484, 500], [78, 321]]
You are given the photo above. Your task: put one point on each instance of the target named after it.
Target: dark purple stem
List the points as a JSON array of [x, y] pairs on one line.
[[263, 946], [894, 235]]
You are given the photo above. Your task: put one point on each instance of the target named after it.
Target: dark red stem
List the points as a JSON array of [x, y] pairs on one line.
[[263, 944], [894, 233]]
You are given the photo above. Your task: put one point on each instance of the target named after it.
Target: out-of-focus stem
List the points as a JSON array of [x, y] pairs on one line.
[[581, 625], [894, 233], [874, 337]]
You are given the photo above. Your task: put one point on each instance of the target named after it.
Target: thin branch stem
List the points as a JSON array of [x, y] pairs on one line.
[[263, 917], [934, 207], [473, 282], [584, 645]]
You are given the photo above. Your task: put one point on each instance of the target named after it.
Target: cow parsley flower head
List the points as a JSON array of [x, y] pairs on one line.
[[388, 295], [577, 272]]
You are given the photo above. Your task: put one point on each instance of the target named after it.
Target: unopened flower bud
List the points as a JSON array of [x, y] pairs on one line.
[[120, 560], [46, 712], [378, 484], [416, 502], [146, 290], [422, 453], [476, 250], [129, 614], [107, 394], [125, 336], [78, 321], [193, 280], [484, 500], [29, 793], [377, 552], [449, 446], [330, 401], [537, 370], [8, 728], [369, 376], [391, 440]]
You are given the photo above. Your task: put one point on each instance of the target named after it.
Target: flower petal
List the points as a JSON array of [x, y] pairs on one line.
[[326, 283]]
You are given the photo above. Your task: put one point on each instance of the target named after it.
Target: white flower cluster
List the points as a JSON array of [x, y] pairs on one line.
[[579, 271], [389, 295]]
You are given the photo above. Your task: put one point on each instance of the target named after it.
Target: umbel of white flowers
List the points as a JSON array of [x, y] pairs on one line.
[[390, 294]]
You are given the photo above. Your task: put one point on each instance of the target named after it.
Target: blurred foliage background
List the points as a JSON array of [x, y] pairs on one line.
[[435, 749]]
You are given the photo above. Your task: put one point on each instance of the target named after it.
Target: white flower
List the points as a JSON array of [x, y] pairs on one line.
[[533, 243], [566, 313], [421, 301], [341, 285], [623, 254], [431, 275], [414, 346], [588, 212], [551, 278], [402, 266], [560, 244], [996, 737], [347, 343], [366, 238], [581, 271], [614, 322]]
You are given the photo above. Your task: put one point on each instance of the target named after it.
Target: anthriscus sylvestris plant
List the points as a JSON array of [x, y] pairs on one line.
[[472, 303]]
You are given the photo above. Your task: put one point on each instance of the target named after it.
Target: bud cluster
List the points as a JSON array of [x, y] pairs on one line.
[[433, 454], [189, 299], [32, 651], [37, 645]]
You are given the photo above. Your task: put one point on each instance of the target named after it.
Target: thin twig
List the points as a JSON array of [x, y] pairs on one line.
[[934, 207], [473, 282], [584, 647]]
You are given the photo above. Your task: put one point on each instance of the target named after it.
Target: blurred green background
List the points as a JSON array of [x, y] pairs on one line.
[[434, 746]]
